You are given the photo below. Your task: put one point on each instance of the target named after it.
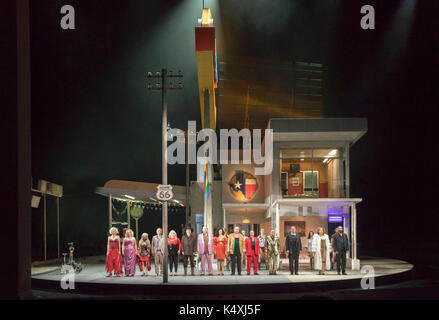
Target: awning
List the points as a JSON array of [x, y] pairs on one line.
[[140, 191]]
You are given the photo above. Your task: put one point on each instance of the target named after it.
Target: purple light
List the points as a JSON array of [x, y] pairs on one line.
[[335, 218]]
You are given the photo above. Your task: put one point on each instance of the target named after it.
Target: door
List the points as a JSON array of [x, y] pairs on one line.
[[334, 221], [311, 182]]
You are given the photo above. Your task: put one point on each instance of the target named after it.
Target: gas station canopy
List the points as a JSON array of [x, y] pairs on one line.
[[138, 191]]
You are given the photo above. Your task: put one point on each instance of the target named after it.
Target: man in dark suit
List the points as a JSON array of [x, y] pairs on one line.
[[188, 250], [340, 248], [293, 246]]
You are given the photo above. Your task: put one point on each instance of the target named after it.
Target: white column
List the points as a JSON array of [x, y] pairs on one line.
[[208, 213], [208, 221], [278, 229], [45, 227], [224, 218], [129, 216], [110, 211], [277, 220], [354, 229], [347, 173], [355, 263], [57, 223]]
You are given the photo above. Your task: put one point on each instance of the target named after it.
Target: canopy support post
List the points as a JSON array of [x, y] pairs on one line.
[[110, 211]]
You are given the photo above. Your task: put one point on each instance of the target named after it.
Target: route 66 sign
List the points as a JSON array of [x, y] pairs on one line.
[[164, 192]]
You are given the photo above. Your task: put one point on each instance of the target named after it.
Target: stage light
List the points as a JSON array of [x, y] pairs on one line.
[[333, 152], [128, 196]]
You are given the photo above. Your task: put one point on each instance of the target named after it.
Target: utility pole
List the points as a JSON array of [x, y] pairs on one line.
[[164, 87], [187, 180]]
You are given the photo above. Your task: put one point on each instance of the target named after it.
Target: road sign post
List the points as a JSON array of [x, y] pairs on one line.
[[164, 87], [164, 192]]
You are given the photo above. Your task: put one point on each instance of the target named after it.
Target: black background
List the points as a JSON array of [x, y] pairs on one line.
[[93, 119]]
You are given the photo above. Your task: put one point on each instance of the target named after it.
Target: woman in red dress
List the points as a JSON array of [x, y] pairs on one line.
[[174, 248], [220, 249], [113, 261]]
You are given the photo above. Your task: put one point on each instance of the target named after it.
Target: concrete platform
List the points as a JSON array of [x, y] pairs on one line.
[[93, 280]]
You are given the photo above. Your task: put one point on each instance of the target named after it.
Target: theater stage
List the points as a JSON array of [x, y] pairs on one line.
[[93, 280]]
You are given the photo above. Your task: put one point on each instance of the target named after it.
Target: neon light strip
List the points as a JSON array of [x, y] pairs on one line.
[[335, 219]]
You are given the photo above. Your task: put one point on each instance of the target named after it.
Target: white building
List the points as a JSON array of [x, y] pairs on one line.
[[308, 186]]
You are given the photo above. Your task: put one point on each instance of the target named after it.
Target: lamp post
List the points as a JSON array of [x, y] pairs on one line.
[[164, 86]]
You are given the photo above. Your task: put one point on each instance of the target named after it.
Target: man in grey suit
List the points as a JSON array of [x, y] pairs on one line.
[[157, 249], [340, 247]]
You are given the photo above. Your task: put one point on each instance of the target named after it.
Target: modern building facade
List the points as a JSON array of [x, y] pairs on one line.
[[309, 185]]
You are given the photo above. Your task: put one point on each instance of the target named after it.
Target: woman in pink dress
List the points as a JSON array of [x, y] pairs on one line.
[[129, 249]]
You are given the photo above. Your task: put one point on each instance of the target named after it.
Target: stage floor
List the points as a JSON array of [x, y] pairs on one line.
[[94, 273]]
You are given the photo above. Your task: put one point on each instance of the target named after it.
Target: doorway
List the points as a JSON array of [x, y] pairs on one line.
[[334, 221], [311, 182]]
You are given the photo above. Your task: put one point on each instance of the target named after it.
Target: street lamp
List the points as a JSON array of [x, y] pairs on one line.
[[164, 86]]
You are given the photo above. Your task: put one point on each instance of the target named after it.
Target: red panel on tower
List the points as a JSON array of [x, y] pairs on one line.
[[205, 39]]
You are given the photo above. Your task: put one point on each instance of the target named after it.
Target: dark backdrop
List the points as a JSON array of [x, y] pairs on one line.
[[93, 120]]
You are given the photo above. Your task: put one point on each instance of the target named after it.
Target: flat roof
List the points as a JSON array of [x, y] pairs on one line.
[[140, 191], [318, 129]]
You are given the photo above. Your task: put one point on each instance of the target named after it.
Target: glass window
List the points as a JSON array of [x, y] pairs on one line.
[[296, 153], [315, 173]]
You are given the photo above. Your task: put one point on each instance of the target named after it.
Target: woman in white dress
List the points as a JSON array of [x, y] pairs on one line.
[[321, 247]]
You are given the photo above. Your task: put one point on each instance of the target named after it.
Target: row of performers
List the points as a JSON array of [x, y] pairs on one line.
[[236, 246], [233, 248]]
